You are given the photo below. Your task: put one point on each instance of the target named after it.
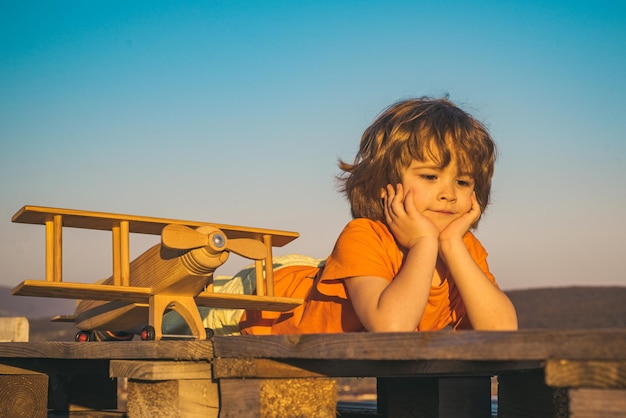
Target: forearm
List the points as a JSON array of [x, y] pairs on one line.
[[487, 306], [397, 305]]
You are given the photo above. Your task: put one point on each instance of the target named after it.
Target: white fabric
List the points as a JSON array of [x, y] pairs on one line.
[[226, 321]]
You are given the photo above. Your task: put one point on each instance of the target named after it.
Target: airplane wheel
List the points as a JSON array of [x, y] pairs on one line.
[[209, 333], [83, 336], [148, 333]]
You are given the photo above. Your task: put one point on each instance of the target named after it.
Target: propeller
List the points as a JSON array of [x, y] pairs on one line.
[[181, 237]]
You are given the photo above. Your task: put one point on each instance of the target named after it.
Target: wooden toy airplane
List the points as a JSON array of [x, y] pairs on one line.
[[176, 274]]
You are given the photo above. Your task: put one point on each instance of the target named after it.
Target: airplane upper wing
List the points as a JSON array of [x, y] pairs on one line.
[[140, 224]]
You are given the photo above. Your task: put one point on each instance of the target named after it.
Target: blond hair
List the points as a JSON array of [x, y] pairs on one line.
[[416, 129]]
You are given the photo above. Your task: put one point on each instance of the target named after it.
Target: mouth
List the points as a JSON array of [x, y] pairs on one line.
[[443, 212]]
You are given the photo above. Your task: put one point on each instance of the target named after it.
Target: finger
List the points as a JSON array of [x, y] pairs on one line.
[[397, 201], [391, 199], [475, 211], [389, 196], [409, 203], [475, 205], [385, 197]]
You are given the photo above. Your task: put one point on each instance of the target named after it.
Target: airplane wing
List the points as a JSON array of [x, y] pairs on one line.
[[252, 302], [139, 224], [82, 291]]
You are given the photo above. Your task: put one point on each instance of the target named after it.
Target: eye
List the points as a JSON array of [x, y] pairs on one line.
[[429, 177], [465, 182]]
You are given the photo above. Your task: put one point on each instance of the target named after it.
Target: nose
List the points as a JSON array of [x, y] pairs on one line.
[[447, 191]]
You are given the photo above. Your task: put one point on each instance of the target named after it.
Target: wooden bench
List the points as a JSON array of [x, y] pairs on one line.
[[577, 373]]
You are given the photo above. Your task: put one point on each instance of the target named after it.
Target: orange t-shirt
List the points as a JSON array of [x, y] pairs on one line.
[[364, 248]]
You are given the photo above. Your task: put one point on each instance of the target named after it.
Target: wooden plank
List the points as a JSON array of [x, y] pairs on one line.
[[593, 403], [160, 370], [532, 345], [589, 374], [164, 350], [24, 393], [458, 345], [228, 368], [140, 224]]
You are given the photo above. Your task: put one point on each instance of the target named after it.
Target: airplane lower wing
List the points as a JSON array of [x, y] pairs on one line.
[[106, 292], [82, 291], [251, 302]]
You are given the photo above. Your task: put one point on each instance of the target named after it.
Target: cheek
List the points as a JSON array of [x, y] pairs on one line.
[[420, 200], [465, 204]]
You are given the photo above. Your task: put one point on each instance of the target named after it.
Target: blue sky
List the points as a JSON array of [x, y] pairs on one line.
[[236, 112]]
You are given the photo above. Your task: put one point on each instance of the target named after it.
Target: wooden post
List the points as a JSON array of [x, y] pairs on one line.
[[278, 398], [465, 397], [23, 393], [168, 388], [408, 397], [591, 403], [82, 388], [54, 252], [594, 388], [434, 397], [121, 254], [260, 283], [269, 267], [525, 394]]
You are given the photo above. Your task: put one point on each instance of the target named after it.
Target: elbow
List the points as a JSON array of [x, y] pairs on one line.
[[502, 319], [509, 322], [503, 323]]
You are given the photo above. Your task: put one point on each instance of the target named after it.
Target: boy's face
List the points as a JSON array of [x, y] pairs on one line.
[[441, 194]]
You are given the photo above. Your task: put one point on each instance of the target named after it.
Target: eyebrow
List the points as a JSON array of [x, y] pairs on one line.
[[419, 165]]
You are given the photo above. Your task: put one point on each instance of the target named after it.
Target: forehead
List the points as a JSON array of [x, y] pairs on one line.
[[431, 163]]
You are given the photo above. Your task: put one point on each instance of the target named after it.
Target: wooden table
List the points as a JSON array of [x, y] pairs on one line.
[[541, 373]]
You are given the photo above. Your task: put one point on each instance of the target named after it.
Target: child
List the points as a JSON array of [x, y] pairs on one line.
[[407, 261]]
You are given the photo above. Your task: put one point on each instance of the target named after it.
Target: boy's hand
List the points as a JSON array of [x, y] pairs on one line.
[[407, 224], [459, 227]]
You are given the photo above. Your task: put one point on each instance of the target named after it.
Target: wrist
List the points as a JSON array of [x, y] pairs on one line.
[[423, 241], [450, 243]]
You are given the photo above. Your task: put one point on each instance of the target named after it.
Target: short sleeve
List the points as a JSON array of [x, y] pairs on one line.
[[364, 248]]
